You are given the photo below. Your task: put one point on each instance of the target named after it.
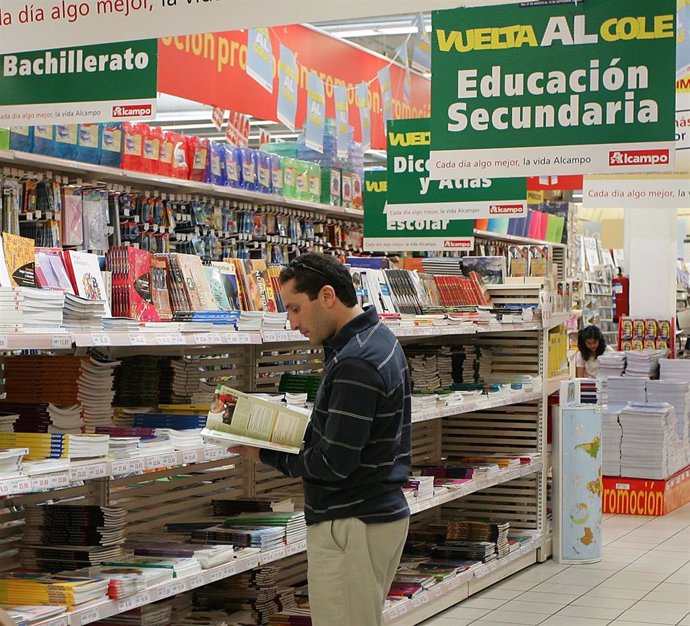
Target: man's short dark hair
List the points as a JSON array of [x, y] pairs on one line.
[[312, 272]]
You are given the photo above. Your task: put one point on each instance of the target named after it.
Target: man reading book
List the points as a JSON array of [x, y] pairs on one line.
[[356, 452]]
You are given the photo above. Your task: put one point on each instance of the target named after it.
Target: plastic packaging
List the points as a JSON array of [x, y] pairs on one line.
[[248, 159], [198, 159], [133, 140], [44, 140], [151, 153], [89, 138], [302, 180], [233, 169], [314, 182], [111, 144], [95, 210], [277, 175], [4, 138], [22, 138], [165, 154], [218, 175], [264, 172], [66, 137], [290, 177], [180, 163]]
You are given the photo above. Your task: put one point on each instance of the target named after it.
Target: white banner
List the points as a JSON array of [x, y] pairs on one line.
[[57, 23], [476, 210], [652, 192], [623, 158], [412, 244], [78, 112]]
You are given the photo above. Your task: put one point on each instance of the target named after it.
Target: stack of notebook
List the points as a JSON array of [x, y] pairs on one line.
[[82, 315], [11, 462], [24, 588], [40, 445], [624, 389], [611, 438], [207, 555], [469, 530], [96, 379], [644, 363], [676, 394], [70, 537]]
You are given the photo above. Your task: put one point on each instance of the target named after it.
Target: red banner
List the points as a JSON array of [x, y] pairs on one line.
[[210, 69], [554, 183]]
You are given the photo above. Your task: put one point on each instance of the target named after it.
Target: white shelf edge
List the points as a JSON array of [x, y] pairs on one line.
[[473, 486], [63, 340], [513, 397], [487, 234], [81, 470], [438, 591]]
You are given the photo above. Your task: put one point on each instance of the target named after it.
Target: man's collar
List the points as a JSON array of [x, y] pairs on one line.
[[363, 321]]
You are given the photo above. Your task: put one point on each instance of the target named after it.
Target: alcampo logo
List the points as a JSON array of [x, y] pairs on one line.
[[506, 209], [639, 157], [132, 110], [457, 243]]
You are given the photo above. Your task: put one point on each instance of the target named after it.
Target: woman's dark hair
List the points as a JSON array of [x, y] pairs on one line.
[[312, 272], [590, 332]]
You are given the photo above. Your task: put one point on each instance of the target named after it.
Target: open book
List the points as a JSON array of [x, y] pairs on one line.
[[238, 418]]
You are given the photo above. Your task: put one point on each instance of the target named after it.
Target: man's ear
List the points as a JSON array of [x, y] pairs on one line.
[[328, 297]]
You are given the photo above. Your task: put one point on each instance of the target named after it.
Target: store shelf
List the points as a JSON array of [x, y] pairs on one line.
[[491, 401], [91, 172], [485, 234], [108, 608], [503, 476], [80, 471], [554, 384], [162, 339], [451, 591]]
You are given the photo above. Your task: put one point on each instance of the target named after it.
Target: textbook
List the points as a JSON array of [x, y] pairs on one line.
[[238, 418]]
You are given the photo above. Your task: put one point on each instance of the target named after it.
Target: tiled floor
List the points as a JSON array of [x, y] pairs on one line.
[[643, 579]]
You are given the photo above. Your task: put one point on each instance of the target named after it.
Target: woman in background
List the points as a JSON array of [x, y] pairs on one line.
[[591, 345]]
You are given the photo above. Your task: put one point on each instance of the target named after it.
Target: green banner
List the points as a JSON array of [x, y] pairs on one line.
[[411, 193], [547, 88], [403, 234], [115, 81]]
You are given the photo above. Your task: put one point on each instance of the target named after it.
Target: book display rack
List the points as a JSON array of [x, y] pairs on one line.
[[161, 488]]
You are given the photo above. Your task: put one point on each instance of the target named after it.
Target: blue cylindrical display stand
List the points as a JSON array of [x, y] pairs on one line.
[[577, 484]]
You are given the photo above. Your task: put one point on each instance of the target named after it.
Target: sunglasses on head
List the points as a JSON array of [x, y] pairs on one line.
[[297, 263]]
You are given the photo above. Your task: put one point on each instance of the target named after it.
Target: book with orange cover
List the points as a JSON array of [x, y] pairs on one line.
[[20, 259]]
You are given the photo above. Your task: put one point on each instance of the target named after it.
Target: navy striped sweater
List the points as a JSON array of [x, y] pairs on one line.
[[357, 448]]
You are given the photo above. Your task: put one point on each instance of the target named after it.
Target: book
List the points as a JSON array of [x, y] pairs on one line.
[[20, 260], [131, 270], [263, 282], [539, 264], [492, 269], [518, 261], [244, 419], [50, 270], [225, 274], [86, 276], [195, 282], [160, 295]]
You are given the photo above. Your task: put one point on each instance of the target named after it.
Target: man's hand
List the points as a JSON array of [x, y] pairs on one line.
[[247, 452]]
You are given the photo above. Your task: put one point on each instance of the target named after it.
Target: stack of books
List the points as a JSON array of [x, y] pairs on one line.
[[44, 417], [24, 588], [42, 309], [7, 420], [207, 555], [179, 567], [42, 379], [70, 537], [29, 615], [11, 462], [611, 364], [675, 370], [120, 325], [676, 394], [138, 383], [250, 321], [96, 394], [650, 448], [611, 438], [88, 446], [11, 309], [83, 315], [467, 530], [624, 389], [129, 580], [182, 439], [644, 363], [465, 550], [40, 445], [235, 506], [263, 538], [255, 591]]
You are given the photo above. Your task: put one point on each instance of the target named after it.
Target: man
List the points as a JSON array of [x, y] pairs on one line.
[[356, 452]]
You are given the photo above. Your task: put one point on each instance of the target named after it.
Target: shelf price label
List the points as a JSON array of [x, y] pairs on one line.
[[273, 555], [89, 472], [222, 572], [165, 460], [134, 602], [196, 581], [101, 339], [190, 456], [61, 342], [137, 339], [89, 616]]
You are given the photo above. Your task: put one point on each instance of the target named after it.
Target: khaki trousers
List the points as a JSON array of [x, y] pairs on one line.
[[351, 568]]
